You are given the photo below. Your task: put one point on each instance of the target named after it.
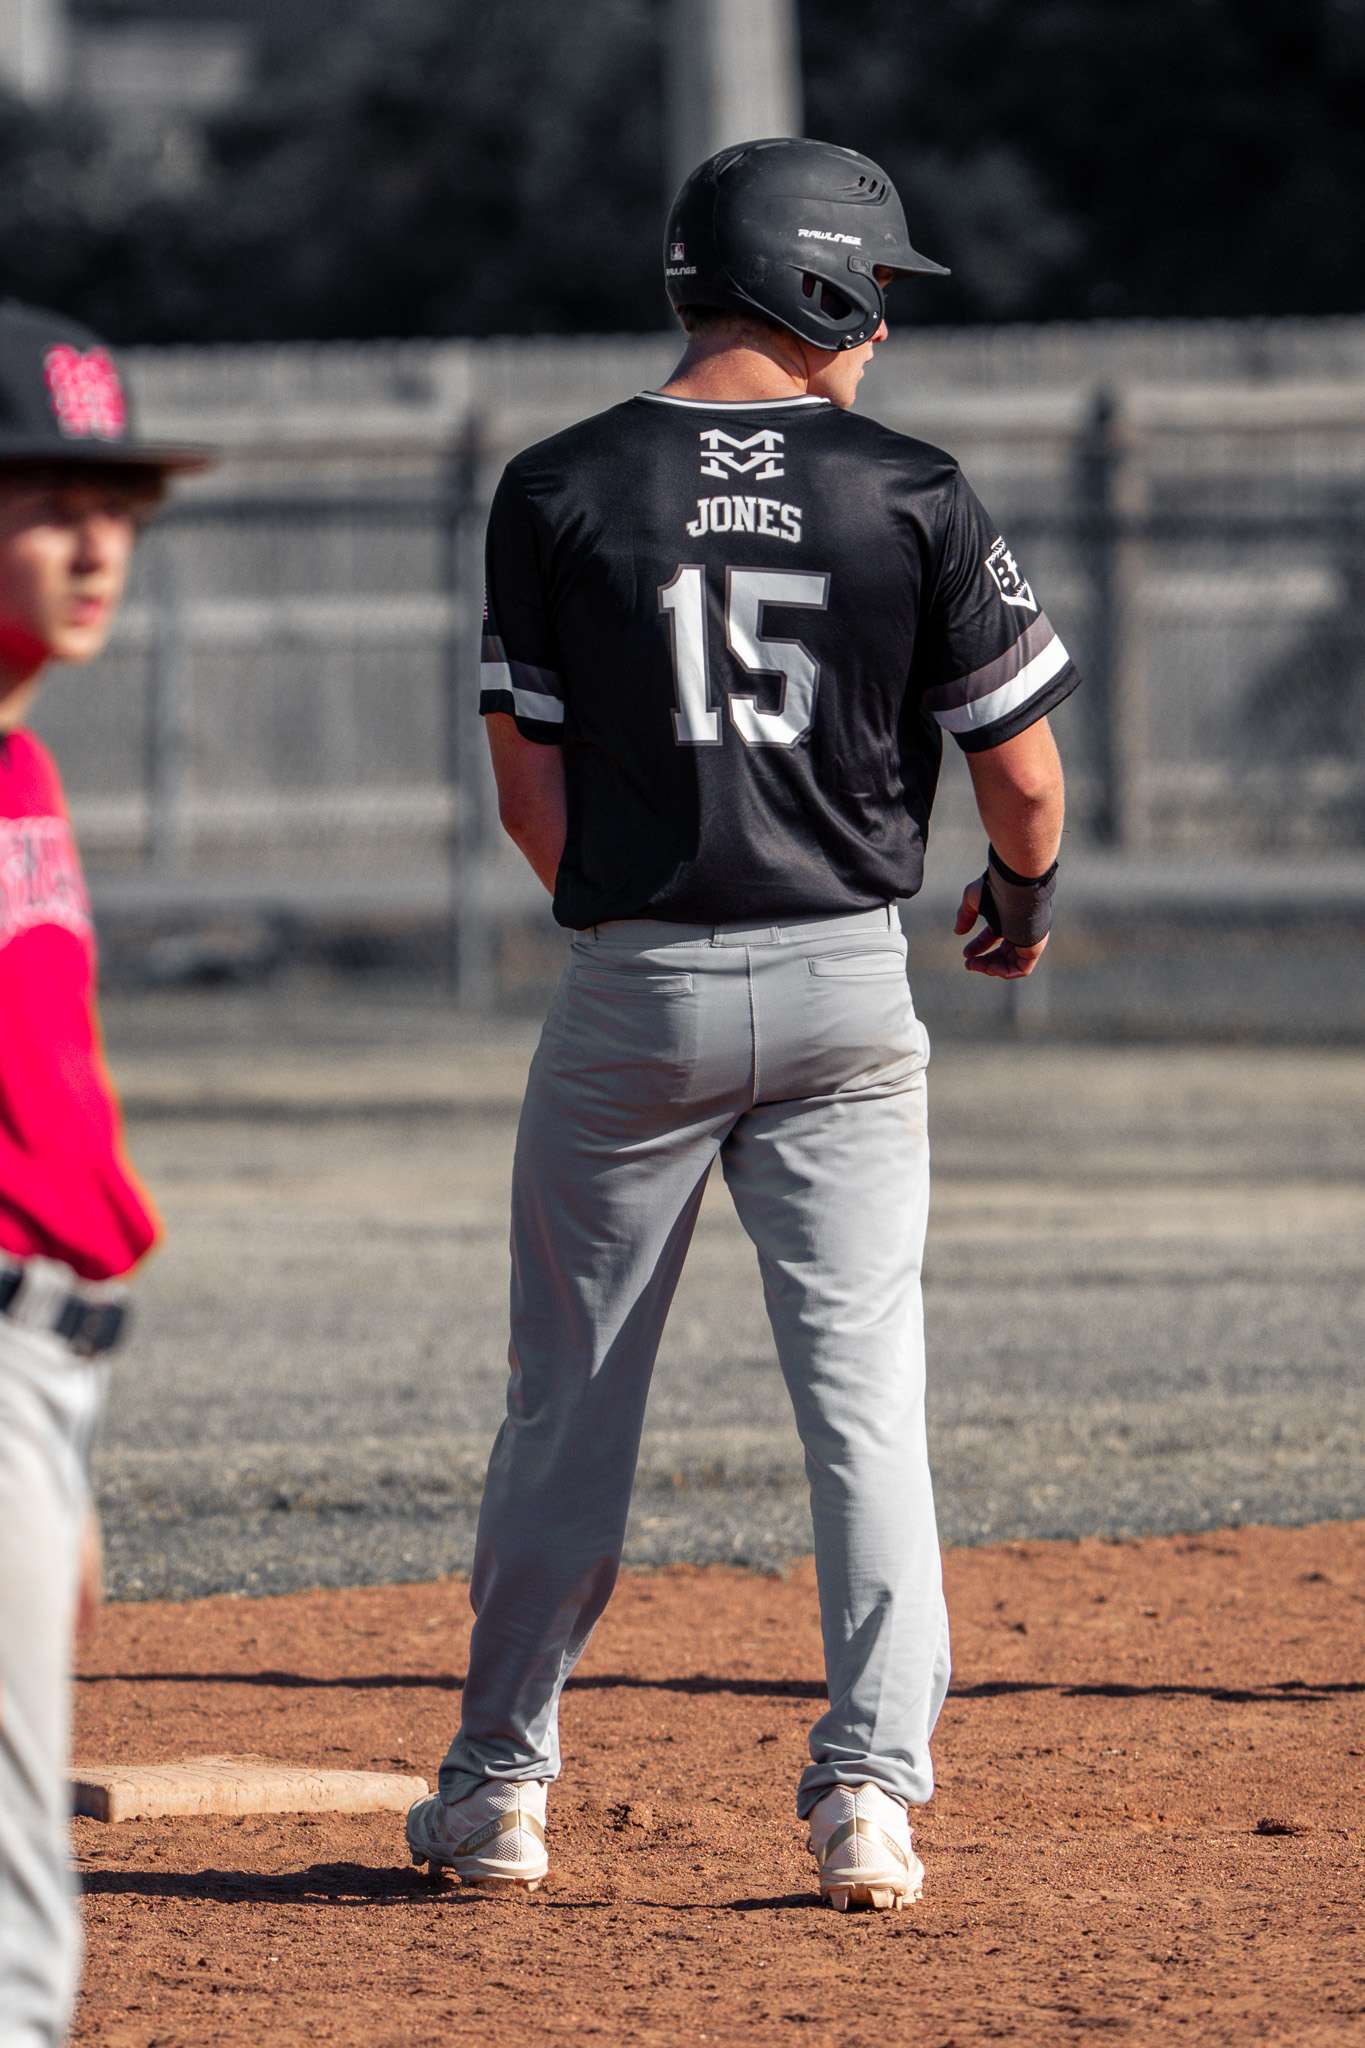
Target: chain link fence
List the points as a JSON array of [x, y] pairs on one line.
[[278, 767]]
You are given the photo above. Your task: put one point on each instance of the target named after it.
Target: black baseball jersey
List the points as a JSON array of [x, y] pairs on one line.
[[748, 626]]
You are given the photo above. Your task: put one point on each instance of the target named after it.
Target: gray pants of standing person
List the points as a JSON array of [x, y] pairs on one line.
[[49, 1405], [793, 1054]]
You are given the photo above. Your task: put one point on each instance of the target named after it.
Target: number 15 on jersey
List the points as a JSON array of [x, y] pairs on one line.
[[696, 720]]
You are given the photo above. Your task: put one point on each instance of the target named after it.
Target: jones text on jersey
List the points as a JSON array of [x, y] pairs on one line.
[[743, 514]]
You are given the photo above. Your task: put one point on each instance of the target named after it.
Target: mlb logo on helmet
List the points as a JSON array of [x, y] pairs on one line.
[[86, 395], [677, 253]]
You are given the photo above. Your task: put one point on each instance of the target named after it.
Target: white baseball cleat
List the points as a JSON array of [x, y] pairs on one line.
[[495, 1836], [860, 1837]]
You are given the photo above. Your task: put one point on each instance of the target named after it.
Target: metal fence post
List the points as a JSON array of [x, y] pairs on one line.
[[729, 72], [470, 967], [1112, 492], [168, 711]]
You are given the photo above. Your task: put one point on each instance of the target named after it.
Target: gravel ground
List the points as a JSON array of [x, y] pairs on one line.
[[1144, 1290], [1146, 1828]]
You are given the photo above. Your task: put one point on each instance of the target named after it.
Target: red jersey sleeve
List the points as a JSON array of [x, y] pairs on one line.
[[66, 1190]]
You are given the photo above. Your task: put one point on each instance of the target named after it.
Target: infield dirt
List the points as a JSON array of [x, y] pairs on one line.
[[1147, 1827]]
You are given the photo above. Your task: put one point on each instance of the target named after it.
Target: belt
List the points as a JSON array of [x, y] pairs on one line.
[[42, 1295], [652, 932]]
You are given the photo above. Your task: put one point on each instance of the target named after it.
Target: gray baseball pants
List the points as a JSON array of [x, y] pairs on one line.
[[49, 1405], [793, 1054]]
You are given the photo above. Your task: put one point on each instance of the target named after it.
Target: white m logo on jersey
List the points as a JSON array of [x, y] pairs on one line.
[[757, 454]]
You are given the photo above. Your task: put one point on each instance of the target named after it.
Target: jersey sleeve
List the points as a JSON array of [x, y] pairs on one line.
[[990, 663], [519, 668]]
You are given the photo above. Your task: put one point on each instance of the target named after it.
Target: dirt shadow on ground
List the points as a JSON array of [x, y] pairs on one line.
[[330, 1884], [362, 1884], [1277, 1691]]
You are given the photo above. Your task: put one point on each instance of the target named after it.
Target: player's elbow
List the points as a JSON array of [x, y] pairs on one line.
[[515, 815], [1027, 813], [1031, 789], [527, 816], [1025, 774]]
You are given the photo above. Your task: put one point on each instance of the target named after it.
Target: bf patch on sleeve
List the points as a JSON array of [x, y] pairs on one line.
[[1008, 578]]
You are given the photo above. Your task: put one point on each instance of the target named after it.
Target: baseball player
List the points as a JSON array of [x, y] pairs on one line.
[[75, 486], [728, 623]]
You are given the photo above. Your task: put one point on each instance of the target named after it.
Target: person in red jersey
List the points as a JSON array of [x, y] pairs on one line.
[[76, 484]]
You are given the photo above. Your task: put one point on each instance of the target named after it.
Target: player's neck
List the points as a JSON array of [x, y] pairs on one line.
[[751, 366]]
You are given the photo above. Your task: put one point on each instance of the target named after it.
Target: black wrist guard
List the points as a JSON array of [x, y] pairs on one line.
[[1017, 907]]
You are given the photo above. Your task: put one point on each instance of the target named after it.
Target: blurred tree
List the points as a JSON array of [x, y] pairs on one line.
[[402, 167], [442, 167], [51, 198], [1083, 157]]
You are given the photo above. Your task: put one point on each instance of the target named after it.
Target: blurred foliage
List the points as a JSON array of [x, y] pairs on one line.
[[440, 167], [1073, 158]]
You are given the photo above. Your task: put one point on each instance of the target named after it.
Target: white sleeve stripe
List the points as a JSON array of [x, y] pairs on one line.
[[1032, 677], [1037, 635], [503, 677], [546, 710]]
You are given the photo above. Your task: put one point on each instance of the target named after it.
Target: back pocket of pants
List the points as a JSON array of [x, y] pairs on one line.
[[881, 965], [632, 1031], [630, 981]]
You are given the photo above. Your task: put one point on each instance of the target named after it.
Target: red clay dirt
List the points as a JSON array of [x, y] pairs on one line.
[[1147, 1827]]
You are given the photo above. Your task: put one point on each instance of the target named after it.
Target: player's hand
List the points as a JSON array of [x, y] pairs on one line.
[[988, 953], [90, 1574]]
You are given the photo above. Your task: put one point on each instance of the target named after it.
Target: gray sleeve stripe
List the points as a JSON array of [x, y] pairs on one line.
[[498, 673], [982, 682], [1030, 681]]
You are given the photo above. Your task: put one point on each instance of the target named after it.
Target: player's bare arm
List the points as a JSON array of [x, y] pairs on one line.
[[531, 809], [1020, 797]]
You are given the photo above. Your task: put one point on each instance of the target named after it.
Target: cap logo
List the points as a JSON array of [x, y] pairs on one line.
[[87, 397], [677, 253]]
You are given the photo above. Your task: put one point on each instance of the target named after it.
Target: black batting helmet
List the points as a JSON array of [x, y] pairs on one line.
[[793, 230]]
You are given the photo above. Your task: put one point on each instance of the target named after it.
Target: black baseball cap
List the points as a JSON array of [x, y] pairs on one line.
[[63, 399]]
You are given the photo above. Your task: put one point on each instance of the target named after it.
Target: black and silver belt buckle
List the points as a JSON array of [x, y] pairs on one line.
[[92, 1327], [36, 1294]]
